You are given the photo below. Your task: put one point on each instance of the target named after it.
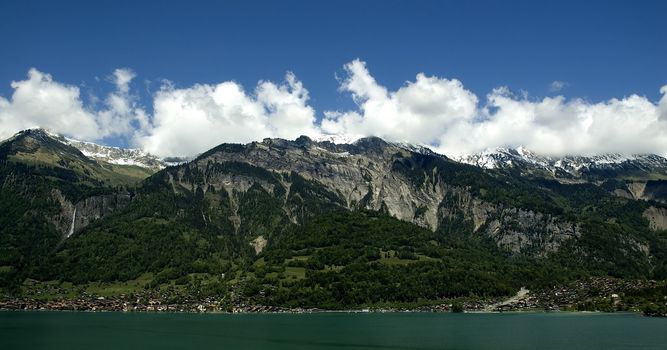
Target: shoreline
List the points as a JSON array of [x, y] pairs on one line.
[[604, 295], [355, 311], [4, 307]]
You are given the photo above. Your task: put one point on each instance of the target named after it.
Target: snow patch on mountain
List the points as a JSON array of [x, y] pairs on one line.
[[117, 155], [335, 138], [113, 155], [500, 158]]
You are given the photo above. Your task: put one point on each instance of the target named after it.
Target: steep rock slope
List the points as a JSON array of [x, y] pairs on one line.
[[426, 189]]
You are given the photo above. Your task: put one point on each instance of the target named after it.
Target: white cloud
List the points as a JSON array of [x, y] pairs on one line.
[[558, 126], [39, 101], [558, 85], [429, 110], [441, 113], [123, 115], [191, 120], [420, 111], [122, 78], [289, 116], [662, 106]]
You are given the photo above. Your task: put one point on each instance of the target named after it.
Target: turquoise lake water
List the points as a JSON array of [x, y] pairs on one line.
[[81, 330]]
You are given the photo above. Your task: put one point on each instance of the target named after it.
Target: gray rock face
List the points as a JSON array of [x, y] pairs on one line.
[[657, 218], [363, 176], [521, 230], [655, 190], [517, 230], [73, 217]]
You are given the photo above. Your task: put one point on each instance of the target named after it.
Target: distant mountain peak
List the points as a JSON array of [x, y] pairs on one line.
[[570, 165], [118, 155], [34, 133], [368, 141], [109, 154]]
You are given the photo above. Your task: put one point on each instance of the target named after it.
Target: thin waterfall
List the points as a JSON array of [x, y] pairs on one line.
[[71, 228]]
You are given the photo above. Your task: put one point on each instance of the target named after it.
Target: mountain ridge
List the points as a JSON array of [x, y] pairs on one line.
[[327, 212], [573, 165], [111, 154], [497, 158]]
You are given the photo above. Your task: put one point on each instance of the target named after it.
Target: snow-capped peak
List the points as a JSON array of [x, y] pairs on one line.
[[499, 158], [117, 155], [111, 154]]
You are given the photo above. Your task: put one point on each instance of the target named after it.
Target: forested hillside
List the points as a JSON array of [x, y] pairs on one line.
[[312, 224]]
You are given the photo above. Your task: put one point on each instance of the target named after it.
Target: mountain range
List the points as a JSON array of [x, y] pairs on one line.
[[313, 223]]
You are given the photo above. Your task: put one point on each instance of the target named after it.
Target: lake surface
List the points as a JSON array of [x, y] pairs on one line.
[[81, 330]]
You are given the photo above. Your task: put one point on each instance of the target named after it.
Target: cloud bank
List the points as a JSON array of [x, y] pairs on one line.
[[442, 114], [191, 120], [433, 111], [39, 101]]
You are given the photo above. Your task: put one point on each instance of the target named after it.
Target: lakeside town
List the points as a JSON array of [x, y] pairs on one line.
[[594, 294]]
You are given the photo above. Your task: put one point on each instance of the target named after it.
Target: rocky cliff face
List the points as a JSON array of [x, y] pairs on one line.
[[657, 218], [74, 217], [514, 229], [376, 175]]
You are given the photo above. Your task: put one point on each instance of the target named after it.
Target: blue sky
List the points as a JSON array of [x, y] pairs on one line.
[[598, 50]]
